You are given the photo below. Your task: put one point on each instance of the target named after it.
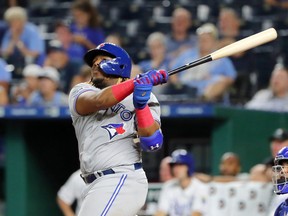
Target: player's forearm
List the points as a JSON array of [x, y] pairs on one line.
[[146, 123], [114, 94], [148, 131], [160, 213], [65, 208], [151, 137], [196, 214], [91, 102]]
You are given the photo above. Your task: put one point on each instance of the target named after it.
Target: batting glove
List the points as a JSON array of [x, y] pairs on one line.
[[142, 92], [156, 76]]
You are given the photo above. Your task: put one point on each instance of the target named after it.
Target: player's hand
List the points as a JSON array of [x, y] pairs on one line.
[[156, 76], [142, 92]]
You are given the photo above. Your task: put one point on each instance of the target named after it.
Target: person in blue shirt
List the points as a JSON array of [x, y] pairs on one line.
[[180, 38], [156, 46], [85, 27], [64, 35], [158, 58], [5, 79], [210, 81], [48, 93], [22, 43]]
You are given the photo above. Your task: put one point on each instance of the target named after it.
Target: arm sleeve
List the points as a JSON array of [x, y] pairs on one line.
[[75, 92]]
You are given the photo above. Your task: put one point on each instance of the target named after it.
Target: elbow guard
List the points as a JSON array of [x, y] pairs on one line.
[[153, 142]]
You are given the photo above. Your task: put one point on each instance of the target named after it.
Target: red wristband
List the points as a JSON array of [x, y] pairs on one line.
[[122, 90], [144, 117]]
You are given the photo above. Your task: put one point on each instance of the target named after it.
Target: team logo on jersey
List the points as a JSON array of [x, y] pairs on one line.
[[114, 129]]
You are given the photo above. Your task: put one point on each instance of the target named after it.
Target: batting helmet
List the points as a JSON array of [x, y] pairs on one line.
[[280, 173], [181, 156], [120, 65]]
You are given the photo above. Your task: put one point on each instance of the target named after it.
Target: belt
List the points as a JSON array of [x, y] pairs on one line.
[[91, 177]]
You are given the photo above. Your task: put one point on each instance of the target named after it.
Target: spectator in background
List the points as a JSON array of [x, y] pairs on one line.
[[274, 98], [86, 27], [4, 4], [65, 36], [229, 25], [21, 91], [230, 165], [184, 195], [229, 170], [115, 38], [281, 4], [70, 192], [180, 38], [165, 173], [21, 43], [5, 80], [58, 58], [158, 57], [210, 81], [157, 51], [83, 76], [48, 95]]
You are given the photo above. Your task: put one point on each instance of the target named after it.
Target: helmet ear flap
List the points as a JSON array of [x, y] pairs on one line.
[[114, 67], [123, 64]]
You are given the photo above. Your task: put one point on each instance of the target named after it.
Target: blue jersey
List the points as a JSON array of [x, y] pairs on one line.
[[282, 209]]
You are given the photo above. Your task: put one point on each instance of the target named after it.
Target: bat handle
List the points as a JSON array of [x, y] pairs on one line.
[[190, 65]]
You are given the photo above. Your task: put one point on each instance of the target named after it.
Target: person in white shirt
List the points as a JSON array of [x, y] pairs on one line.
[[70, 192], [184, 195], [274, 98]]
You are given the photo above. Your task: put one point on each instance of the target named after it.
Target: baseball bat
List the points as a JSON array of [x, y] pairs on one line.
[[231, 49]]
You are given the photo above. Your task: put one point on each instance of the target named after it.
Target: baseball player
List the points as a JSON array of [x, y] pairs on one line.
[[280, 179], [70, 192], [115, 118], [184, 195]]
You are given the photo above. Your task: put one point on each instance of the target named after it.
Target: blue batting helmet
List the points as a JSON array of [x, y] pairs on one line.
[[280, 172], [181, 156], [120, 65]]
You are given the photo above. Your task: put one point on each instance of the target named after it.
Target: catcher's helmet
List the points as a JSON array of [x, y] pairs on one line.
[[120, 65], [181, 156], [280, 172]]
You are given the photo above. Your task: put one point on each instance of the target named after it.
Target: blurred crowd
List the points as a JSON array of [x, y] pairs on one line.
[[39, 63]]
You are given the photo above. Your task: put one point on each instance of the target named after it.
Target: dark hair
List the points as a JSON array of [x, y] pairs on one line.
[[87, 7], [59, 24]]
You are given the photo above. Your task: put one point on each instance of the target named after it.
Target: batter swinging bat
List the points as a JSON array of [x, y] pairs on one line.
[[236, 47]]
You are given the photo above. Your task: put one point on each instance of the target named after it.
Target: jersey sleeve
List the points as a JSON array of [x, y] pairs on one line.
[[75, 92]]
